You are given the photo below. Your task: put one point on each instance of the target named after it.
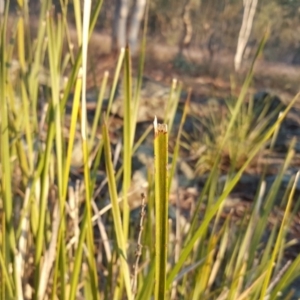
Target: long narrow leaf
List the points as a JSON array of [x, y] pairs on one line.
[[161, 207]]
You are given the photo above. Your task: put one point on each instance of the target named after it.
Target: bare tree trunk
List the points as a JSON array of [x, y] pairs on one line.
[[120, 23], [2, 6], [248, 16], [136, 20], [188, 26]]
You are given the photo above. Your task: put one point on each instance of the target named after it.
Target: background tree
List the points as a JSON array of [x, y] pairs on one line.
[[2, 4], [121, 33], [248, 16]]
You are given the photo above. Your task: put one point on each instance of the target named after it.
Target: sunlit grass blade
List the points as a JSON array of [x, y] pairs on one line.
[[172, 104], [55, 38], [38, 56], [221, 254], [43, 201], [142, 55], [95, 125], [149, 281], [55, 34], [78, 259], [242, 258], [178, 138], [78, 21], [203, 274], [127, 137], [127, 149], [137, 91], [161, 208], [72, 132], [116, 212], [279, 239], [92, 268], [287, 278], [6, 281], [116, 79]]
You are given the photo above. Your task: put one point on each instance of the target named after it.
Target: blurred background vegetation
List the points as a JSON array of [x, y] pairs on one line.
[[215, 25]]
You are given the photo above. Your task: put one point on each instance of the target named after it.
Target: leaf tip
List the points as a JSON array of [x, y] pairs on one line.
[[155, 123]]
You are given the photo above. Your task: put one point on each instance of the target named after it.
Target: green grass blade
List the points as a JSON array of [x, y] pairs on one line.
[[43, 201], [99, 107], [78, 21], [116, 212], [74, 115], [177, 145], [78, 259], [161, 208], [116, 78], [6, 281], [92, 268], [127, 134], [279, 240]]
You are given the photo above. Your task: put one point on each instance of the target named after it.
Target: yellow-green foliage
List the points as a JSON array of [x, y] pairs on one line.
[[50, 222]]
